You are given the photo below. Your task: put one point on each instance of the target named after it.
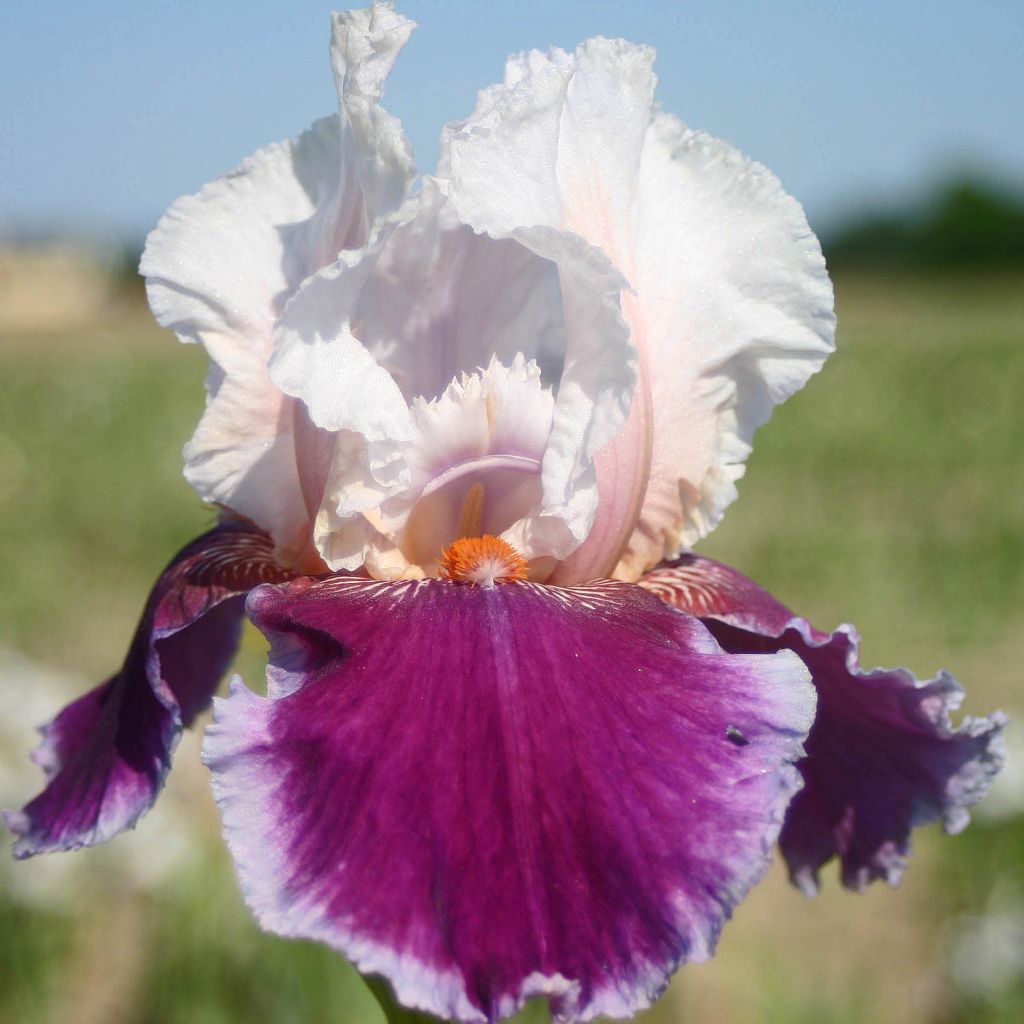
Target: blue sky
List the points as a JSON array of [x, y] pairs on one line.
[[108, 110]]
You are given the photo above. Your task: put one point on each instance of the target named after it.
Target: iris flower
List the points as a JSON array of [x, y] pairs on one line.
[[517, 740]]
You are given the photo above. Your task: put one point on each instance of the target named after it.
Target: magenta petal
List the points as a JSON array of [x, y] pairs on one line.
[[883, 756], [486, 795], [106, 755]]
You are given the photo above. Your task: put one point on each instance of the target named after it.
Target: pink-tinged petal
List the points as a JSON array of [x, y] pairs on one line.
[[105, 756], [221, 264], [734, 310], [729, 305], [427, 301], [218, 268], [489, 794], [883, 756]]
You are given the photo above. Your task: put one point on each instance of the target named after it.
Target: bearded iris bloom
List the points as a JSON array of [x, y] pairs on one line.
[[517, 739]]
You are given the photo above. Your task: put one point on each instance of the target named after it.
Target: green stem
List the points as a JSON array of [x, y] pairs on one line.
[[394, 1012]]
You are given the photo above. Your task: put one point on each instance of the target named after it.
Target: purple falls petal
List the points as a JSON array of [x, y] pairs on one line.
[[883, 756], [105, 756], [489, 795]]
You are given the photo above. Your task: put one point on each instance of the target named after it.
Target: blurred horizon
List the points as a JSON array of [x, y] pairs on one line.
[[120, 109]]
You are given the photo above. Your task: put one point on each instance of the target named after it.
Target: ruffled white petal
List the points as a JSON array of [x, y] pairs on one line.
[[320, 361], [730, 306], [443, 300], [217, 268], [736, 313], [427, 301], [472, 467], [559, 144], [476, 464], [223, 260], [221, 265], [364, 46], [243, 452], [595, 390]]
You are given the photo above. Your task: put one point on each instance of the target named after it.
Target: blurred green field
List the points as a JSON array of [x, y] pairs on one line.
[[890, 493]]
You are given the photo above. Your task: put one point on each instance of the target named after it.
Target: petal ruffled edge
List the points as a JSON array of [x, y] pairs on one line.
[[922, 767], [883, 756], [735, 311], [365, 44], [106, 755]]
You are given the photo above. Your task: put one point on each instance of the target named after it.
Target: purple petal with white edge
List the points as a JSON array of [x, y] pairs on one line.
[[105, 756], [490, 794], [883, 756]]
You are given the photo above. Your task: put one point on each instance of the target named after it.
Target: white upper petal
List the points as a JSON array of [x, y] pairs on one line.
[[319, 359], [558, 144], [443, 300], [475, 466], [221, 265], [730, 307], [669, 290], [736, 311], [427, 301], [364, 46]]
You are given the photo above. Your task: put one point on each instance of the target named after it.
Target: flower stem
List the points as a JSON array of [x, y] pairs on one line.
[[394, 1012]]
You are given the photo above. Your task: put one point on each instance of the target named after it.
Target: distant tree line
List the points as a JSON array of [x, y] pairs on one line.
[[965, 223]]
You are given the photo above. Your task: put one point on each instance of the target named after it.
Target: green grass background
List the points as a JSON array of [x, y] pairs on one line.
[[889, 493]]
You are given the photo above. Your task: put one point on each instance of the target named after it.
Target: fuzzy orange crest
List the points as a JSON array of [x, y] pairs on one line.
[[484, 560]]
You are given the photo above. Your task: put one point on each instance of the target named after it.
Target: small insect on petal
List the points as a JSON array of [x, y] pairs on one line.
[[485, 561]]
